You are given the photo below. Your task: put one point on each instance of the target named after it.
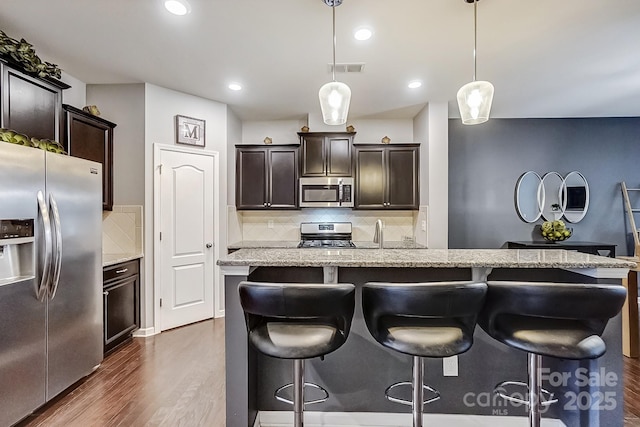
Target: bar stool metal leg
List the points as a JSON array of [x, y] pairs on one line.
[[535, 385], [418, 391], [298, 392]]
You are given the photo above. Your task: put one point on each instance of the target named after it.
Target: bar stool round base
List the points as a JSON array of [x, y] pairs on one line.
[[387, 394], [309, 402]]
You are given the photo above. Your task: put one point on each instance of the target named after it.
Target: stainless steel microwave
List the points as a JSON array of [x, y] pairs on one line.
[[326, 192]]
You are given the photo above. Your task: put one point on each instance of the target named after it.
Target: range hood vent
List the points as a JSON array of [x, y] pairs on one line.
[[356, 67]]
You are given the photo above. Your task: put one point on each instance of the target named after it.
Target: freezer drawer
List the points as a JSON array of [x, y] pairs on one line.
[[22, 351]]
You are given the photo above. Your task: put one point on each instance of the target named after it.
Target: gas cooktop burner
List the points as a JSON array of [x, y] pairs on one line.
[[325, 235], [326, 244]]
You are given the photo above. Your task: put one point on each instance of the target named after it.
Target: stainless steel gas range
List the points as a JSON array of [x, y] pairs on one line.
[[325, 235]]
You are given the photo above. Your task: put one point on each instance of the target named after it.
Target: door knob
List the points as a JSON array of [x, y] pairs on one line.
[[208, 245]]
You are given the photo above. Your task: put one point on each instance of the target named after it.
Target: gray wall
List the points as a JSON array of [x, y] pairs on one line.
[[485, 162], [123, 104]]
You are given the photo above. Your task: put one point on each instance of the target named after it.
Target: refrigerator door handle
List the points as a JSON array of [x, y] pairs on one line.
[[57, 253], [41, 291]]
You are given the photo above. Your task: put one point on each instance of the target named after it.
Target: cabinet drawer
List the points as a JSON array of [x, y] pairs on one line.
[[117, 271]]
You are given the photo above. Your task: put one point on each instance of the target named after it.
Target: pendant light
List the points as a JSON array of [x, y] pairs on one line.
[[334, 96], [474, 99]]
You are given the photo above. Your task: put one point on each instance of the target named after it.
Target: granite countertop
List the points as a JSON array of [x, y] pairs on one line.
[[111, 259], [284, 244], [434, 258]]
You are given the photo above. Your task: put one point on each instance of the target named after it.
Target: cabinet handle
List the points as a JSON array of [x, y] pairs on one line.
[[265, 204], [106, 293], [208, 245], [269, 204], [124, 270]]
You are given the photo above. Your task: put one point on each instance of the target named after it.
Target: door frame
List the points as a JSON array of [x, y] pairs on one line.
[[157, 290]]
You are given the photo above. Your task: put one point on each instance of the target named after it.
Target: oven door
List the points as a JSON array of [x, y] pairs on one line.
[[326, 192]]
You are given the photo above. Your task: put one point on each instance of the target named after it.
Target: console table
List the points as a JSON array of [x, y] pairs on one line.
[[593, 248]]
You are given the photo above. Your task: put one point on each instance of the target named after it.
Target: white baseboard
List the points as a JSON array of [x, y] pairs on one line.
[[380, 419], [144, 332]]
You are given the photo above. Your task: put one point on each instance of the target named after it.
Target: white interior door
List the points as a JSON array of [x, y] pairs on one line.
[[187, 236]]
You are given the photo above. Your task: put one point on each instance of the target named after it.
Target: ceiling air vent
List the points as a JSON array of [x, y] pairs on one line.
[[347, 68]]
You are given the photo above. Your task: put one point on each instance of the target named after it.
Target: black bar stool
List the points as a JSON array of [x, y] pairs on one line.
[[423, 320], [563, 320], [297, 321]]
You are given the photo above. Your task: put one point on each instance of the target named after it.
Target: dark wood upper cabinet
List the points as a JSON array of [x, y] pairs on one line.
[[326, 154], [387, 176], [266, 177], [91, 137], [30, 105]]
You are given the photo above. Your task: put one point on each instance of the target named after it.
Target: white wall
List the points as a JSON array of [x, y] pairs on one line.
[[76, 95], [234, 136], [280, 131], [369, 130], [372, 131], [432, 123], [161, 107]]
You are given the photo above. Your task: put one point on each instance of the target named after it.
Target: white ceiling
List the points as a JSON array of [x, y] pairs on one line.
[[546, 58]]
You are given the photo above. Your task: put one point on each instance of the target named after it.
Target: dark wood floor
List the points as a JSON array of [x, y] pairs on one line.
[[177, 379], [631, 392], [172, 379]]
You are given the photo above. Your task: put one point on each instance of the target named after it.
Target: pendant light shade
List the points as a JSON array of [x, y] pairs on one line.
[[334, 96], [475, 98], [474, 102], [334, 102]]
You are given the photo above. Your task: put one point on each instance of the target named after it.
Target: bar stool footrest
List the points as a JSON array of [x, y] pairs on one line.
[[409, 402], [549, 400], [311, 402]]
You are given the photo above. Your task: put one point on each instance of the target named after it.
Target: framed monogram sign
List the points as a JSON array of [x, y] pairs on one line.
[[190, 131]]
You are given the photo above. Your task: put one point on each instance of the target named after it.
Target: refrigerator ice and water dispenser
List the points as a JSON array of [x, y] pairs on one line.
[[16, 250]]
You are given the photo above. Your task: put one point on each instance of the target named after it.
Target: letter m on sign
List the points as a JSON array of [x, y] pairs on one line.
[[191, 131]]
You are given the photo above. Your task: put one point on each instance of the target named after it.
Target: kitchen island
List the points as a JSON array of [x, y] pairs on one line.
[[357, 374]]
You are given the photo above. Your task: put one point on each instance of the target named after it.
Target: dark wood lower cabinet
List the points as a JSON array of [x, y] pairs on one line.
[[121, 286]]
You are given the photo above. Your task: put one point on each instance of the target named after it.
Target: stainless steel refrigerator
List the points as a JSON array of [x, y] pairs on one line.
[[50, 276]]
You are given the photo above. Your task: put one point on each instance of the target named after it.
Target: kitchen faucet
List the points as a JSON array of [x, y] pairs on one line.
[[377, 235]]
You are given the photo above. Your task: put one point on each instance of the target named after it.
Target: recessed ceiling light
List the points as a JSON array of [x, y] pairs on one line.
[[362, 33], [235, 86], [177, 7], [414, 84]]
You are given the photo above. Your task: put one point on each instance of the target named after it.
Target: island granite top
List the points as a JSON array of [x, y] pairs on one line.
[[432, 258]]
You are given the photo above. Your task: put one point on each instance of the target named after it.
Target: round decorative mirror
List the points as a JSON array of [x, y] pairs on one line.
[[552, 184], [528, 197], [575, 196]]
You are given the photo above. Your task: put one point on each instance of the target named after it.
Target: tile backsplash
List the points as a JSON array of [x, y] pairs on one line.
[[122, 230], [285, 225]]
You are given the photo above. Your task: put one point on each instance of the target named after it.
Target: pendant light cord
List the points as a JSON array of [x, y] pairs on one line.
[[333, 7], [475, 36]]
